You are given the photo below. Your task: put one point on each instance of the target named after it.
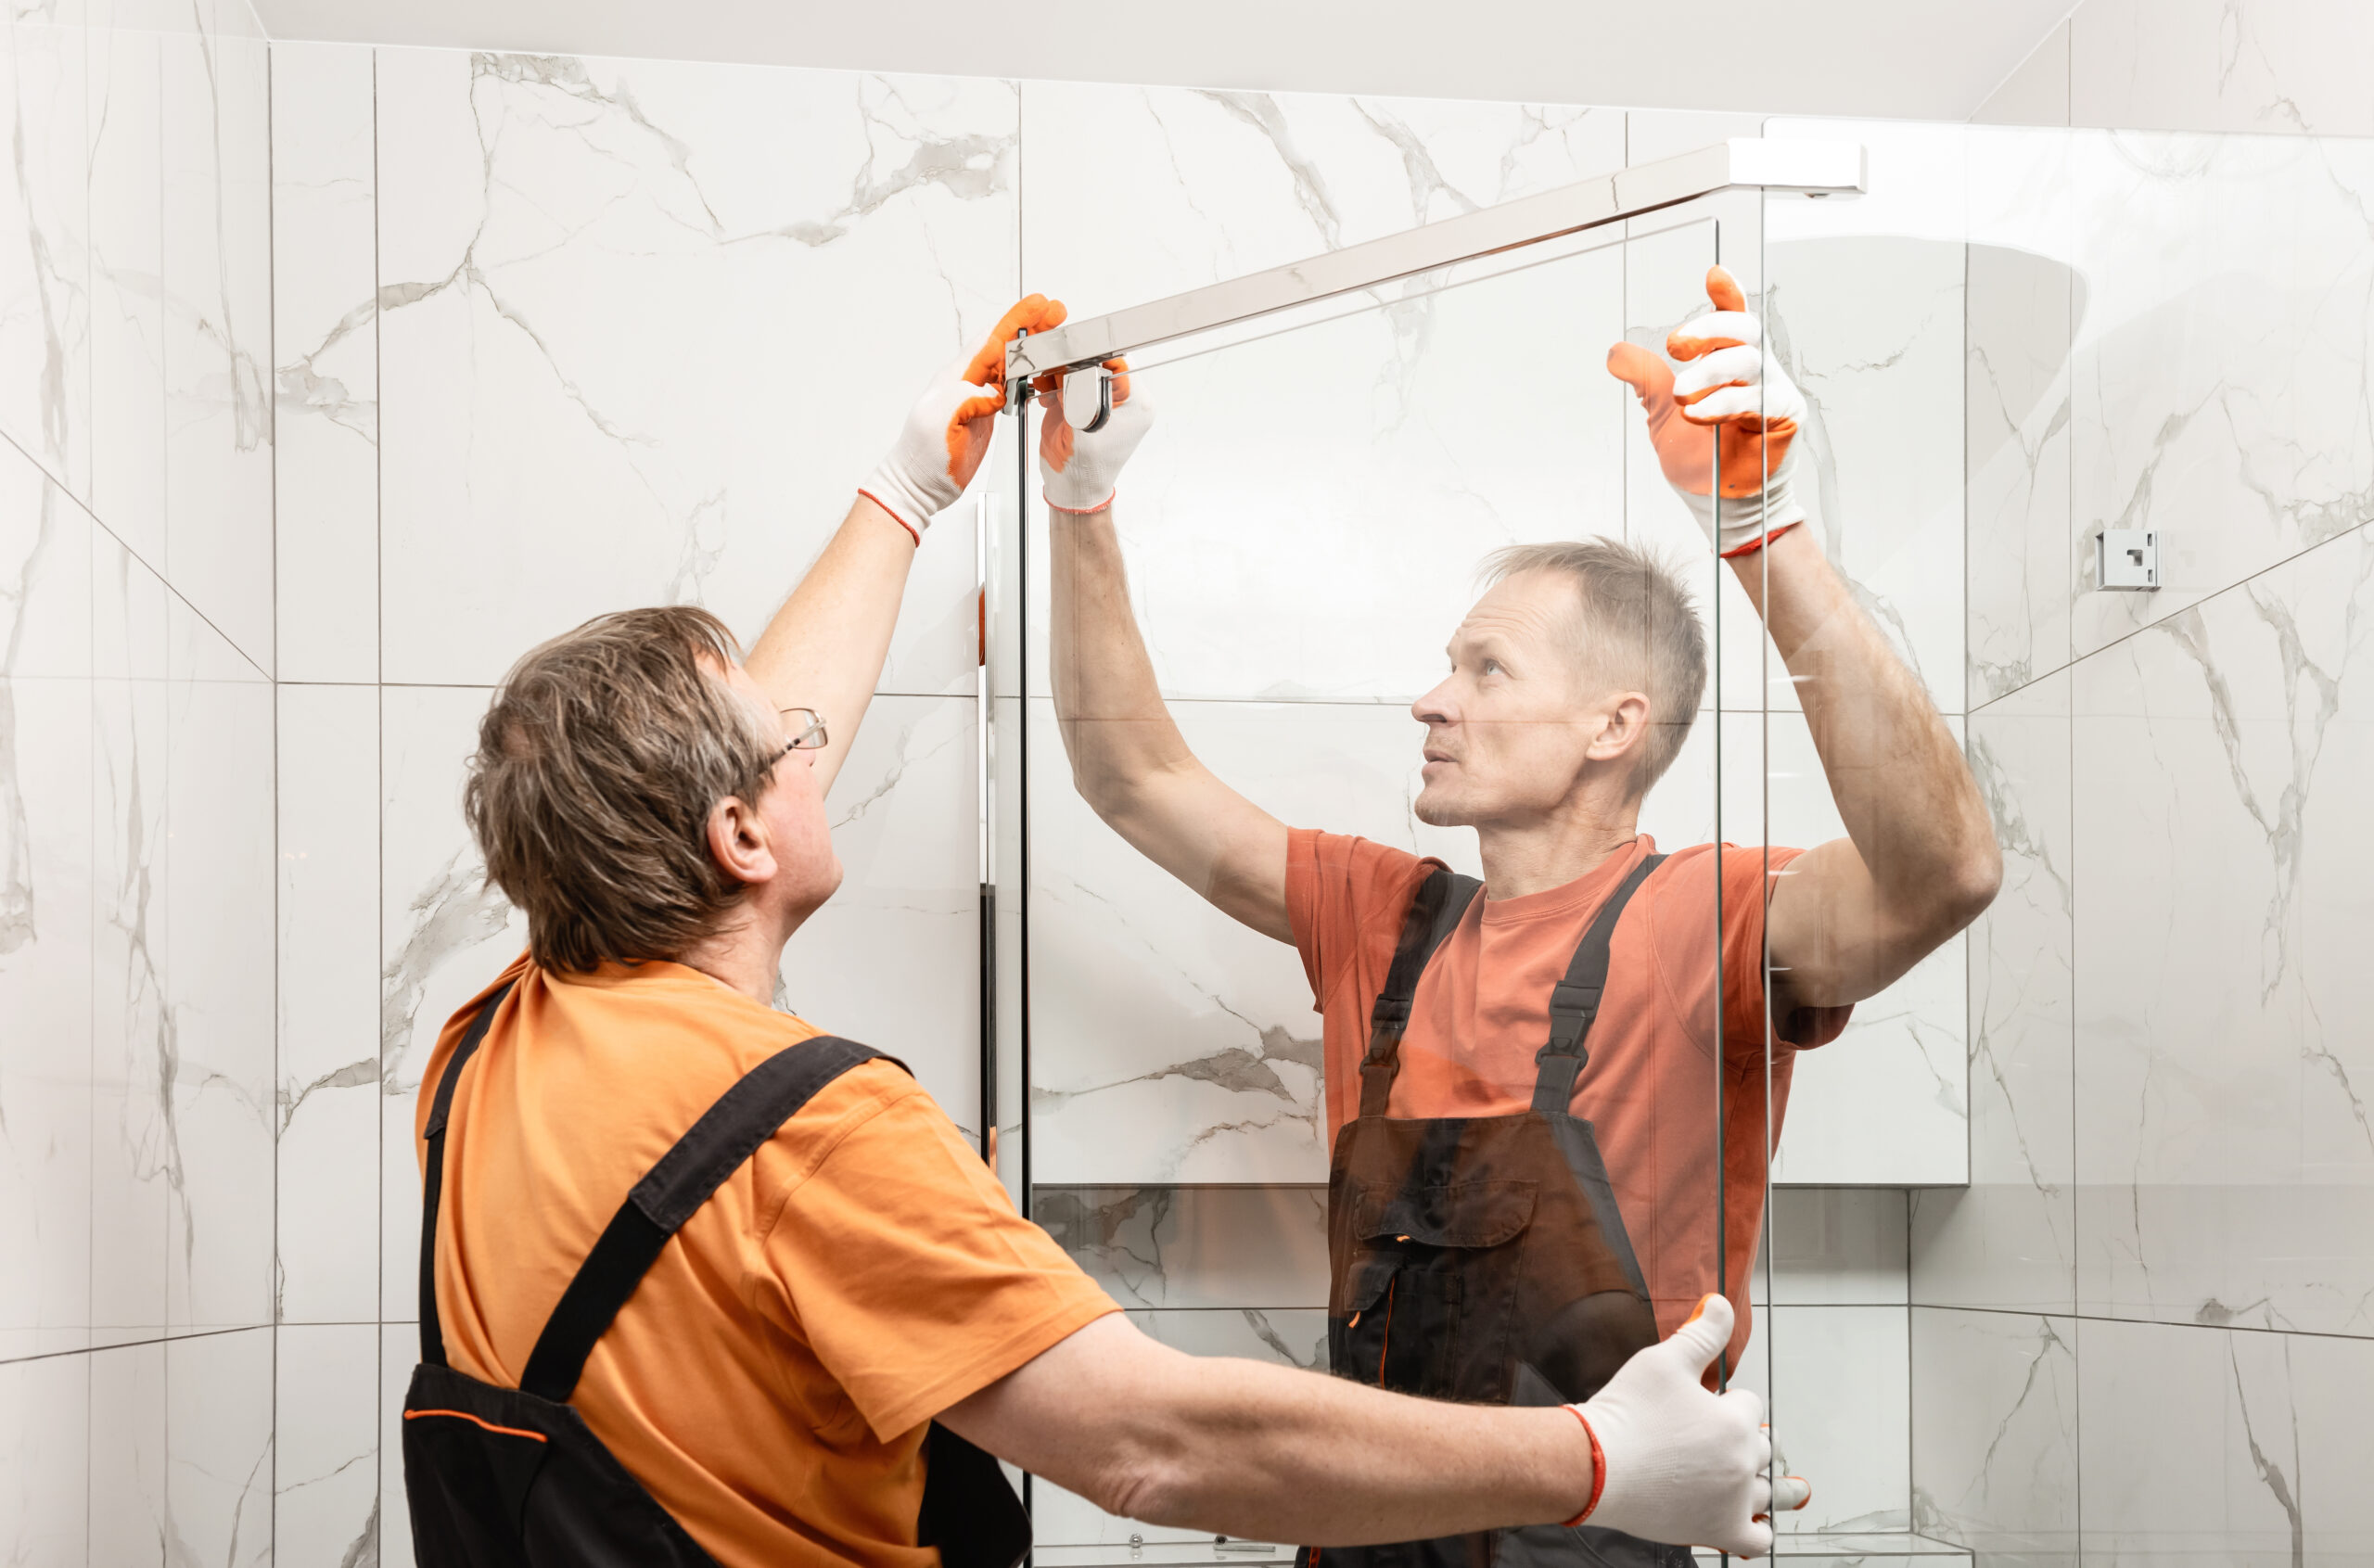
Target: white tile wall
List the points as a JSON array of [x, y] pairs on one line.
[[136, 891], [326, 375], [2225, 1167], [2215, 1444], [2220, 65], [1995, 1425]]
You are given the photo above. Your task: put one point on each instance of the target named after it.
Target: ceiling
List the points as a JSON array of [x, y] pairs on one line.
[[1928, 59]]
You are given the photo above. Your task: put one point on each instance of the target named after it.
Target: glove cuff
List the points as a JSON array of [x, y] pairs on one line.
[[1599, 1467], [1055, 505], [889, 488], [1748, 522]]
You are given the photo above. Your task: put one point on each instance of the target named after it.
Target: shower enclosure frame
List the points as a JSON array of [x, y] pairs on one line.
[[1813, 168]]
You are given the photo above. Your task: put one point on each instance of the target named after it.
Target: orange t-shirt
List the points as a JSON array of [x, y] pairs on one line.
[[772, 1379], [1666, 1120]]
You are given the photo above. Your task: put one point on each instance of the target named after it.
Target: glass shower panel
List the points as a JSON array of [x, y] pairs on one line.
[[1302, 531], [1866, 311]]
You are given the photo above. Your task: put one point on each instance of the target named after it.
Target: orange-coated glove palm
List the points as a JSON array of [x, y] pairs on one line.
[[1080, 467], [948, 429], [1725, 424]]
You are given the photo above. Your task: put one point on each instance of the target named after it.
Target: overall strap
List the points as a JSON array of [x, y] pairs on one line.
[[432, 1333], [1434, 911], [728, 1133], [1573, 1002]]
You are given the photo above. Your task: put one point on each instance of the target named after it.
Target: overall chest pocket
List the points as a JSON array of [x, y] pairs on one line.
[[1430, 1288]]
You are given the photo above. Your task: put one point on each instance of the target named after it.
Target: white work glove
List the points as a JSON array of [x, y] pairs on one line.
[[1747, 401], [948, 429], [1081, 467], [1790, 1493], [1677, 1464]]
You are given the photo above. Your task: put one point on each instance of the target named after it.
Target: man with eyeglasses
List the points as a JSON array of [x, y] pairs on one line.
[[703, 1284]]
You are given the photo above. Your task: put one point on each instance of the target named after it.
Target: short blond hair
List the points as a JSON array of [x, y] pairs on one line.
[[597, 764], [1639, 630]]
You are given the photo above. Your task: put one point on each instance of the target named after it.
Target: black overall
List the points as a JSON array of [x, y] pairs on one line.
[[1482, 1258], [514, 1478]]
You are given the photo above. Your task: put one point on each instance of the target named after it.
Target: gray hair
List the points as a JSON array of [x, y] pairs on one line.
[[1639, 630]]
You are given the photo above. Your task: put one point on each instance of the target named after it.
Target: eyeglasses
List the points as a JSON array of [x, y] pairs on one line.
[[806, 727]]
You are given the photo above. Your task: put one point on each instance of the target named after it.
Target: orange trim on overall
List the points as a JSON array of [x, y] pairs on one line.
[[1387, 1343], [464, 1415]]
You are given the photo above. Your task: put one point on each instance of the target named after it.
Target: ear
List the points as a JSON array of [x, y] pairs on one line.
[[1621, 727], [738, 841]]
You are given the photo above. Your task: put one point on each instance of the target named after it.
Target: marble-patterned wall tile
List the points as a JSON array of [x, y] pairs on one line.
[[801, 248], [1865, 305], [217, 288], [46, 910], [1215, 1247], [326, 383], [444, 935], [127, 1467], [44, 262], [2215, 382], [2221, 65], [127, 267], [1994, 1434], [326, 1435], [1870, 328], [2221, 1445], [1293, 1337], [2023, 311], [2008, 1239], [46, 1459], [1169, 1043], [1382, 452], [327, 1104], [136, 1154], [2225, 1157], [2036, 93], [906, 824], [182, 964], [1833, 1246], [1837, 1386], [1221, 183], [219, 895], [218, 1448]]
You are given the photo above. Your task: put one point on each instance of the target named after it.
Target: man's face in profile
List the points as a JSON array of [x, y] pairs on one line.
[[1510, 729]]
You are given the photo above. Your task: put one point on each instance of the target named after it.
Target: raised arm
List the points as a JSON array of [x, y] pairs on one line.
[[1920, 859], [823, 649], [1128, 760]]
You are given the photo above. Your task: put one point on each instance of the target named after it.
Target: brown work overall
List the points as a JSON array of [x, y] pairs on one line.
[[1482, 1258]]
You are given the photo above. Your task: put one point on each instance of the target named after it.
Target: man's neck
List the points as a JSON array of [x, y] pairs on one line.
[[1538, 856], [743, 956]]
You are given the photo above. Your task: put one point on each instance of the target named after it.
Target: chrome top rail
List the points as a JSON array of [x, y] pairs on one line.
[[1808, 167]]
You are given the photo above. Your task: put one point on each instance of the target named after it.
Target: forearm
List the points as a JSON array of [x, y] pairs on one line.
[[1116, 729], [1912, 808], [825, 646], [1246, 1449]]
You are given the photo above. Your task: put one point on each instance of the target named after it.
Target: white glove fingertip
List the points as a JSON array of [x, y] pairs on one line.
[[1724, 402], [1726, 324]]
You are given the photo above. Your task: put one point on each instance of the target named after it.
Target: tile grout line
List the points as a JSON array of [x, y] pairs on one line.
[[380, 900], [2158, 622], [146, 565], [272, 429]]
